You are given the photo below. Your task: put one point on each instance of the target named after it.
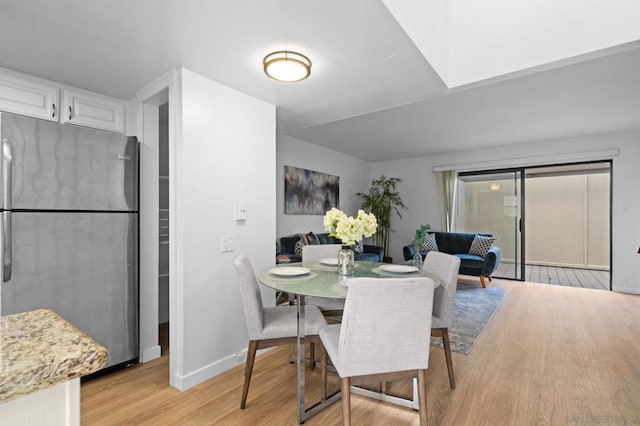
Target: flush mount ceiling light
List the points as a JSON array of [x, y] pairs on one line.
[[287, 66]]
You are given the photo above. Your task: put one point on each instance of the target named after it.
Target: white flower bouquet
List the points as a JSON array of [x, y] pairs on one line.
[[347, 228]]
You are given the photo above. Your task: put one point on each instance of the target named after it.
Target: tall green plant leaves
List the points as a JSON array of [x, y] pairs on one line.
[[382, 200]]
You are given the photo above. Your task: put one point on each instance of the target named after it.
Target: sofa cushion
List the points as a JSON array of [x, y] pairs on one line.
[[358, 247], [310, 239], [324, 238], [481, 245], [297, 249], [288, 243], [429, 243], [454, 242], [370, 257]]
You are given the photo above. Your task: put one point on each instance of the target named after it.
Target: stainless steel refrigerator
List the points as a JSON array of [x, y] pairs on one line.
[[69, 228]]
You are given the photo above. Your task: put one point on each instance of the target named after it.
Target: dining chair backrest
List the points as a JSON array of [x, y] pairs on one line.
[[385, 326], [319, 251], [251, 298], [445, 267]]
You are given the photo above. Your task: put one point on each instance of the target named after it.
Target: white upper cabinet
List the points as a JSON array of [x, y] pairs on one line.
[[23, 94], [28, 97], [91, 110]]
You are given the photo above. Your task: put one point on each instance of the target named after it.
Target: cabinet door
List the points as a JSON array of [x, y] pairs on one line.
[[92, 110], [28, 97]]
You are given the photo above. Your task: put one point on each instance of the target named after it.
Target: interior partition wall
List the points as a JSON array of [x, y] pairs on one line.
[[552, 216]]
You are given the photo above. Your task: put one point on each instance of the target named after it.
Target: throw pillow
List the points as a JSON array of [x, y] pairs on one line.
[[358, 247], [297, 249], [481, 245], [429, 244], [310, 239]]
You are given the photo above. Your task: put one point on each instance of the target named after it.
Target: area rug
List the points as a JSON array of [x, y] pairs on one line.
[[473, 309]]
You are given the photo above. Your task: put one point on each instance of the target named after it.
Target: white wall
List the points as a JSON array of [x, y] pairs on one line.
[[225, 155], [355, 176], [419, 191]]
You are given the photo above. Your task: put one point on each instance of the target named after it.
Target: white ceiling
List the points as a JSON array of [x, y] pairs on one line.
[[469, 40], [371, 94]]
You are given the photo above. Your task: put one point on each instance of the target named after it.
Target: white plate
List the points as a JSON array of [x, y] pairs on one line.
[[292, 271], [398, 269], [329, 261]]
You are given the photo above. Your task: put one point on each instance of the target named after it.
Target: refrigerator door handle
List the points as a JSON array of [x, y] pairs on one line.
[[7, 174], [7, 202], [7, 258]]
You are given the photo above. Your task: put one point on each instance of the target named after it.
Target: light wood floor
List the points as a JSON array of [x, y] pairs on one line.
[[571, 277], [550, 355]]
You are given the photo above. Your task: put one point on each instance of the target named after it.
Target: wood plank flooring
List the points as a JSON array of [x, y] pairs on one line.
[[571, 277], [551, 355]]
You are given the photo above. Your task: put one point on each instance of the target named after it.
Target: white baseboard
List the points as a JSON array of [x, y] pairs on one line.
[[150, 354], [198, 376], [630, 290]]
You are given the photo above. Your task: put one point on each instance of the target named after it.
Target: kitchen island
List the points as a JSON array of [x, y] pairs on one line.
[[42, 358]]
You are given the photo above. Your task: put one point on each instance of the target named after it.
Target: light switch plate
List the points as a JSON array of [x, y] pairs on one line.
[[226, 243]]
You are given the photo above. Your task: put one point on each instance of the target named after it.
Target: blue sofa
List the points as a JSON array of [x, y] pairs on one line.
[[458, 244], [287, 248]]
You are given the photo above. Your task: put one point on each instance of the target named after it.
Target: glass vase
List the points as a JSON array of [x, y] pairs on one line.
[[417, 260], [345, 261]]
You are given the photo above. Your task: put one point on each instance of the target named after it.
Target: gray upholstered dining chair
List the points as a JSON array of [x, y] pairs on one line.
[[384, 333], [445, 267], [314, 252], [271, 326]]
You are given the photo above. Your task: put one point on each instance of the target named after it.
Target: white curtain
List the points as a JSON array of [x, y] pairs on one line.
[[447, 186]]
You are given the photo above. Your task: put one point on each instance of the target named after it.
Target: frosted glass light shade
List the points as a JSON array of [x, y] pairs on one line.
[[287, 66]]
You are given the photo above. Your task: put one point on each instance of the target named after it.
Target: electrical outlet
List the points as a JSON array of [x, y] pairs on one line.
[[226, 243], [241, 212]]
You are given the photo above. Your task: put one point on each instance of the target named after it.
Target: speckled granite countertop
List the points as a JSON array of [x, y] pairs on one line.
[[40, 349]]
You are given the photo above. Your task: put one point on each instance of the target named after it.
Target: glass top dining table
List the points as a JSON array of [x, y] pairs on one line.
[[322, 280]]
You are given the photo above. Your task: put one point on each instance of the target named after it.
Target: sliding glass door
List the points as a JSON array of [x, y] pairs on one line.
[[568, 224], [568, 221], [492, 202]]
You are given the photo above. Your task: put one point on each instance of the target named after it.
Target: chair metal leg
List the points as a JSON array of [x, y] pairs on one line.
[[323, 374], [447, 354], [422, 397], [312, 355], [346, 401], [248, 369]]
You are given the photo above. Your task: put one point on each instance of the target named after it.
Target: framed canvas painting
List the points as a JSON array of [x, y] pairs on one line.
[[309, 192]]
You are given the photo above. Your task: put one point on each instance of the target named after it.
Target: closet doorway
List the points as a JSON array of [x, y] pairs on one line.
[[552, 223], [163, 228]]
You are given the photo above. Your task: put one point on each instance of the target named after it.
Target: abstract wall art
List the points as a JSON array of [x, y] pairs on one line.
[[309, 192]]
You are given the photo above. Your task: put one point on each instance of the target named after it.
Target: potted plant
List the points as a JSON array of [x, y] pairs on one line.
[[418, 239], [382, 200], [421, 233]]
